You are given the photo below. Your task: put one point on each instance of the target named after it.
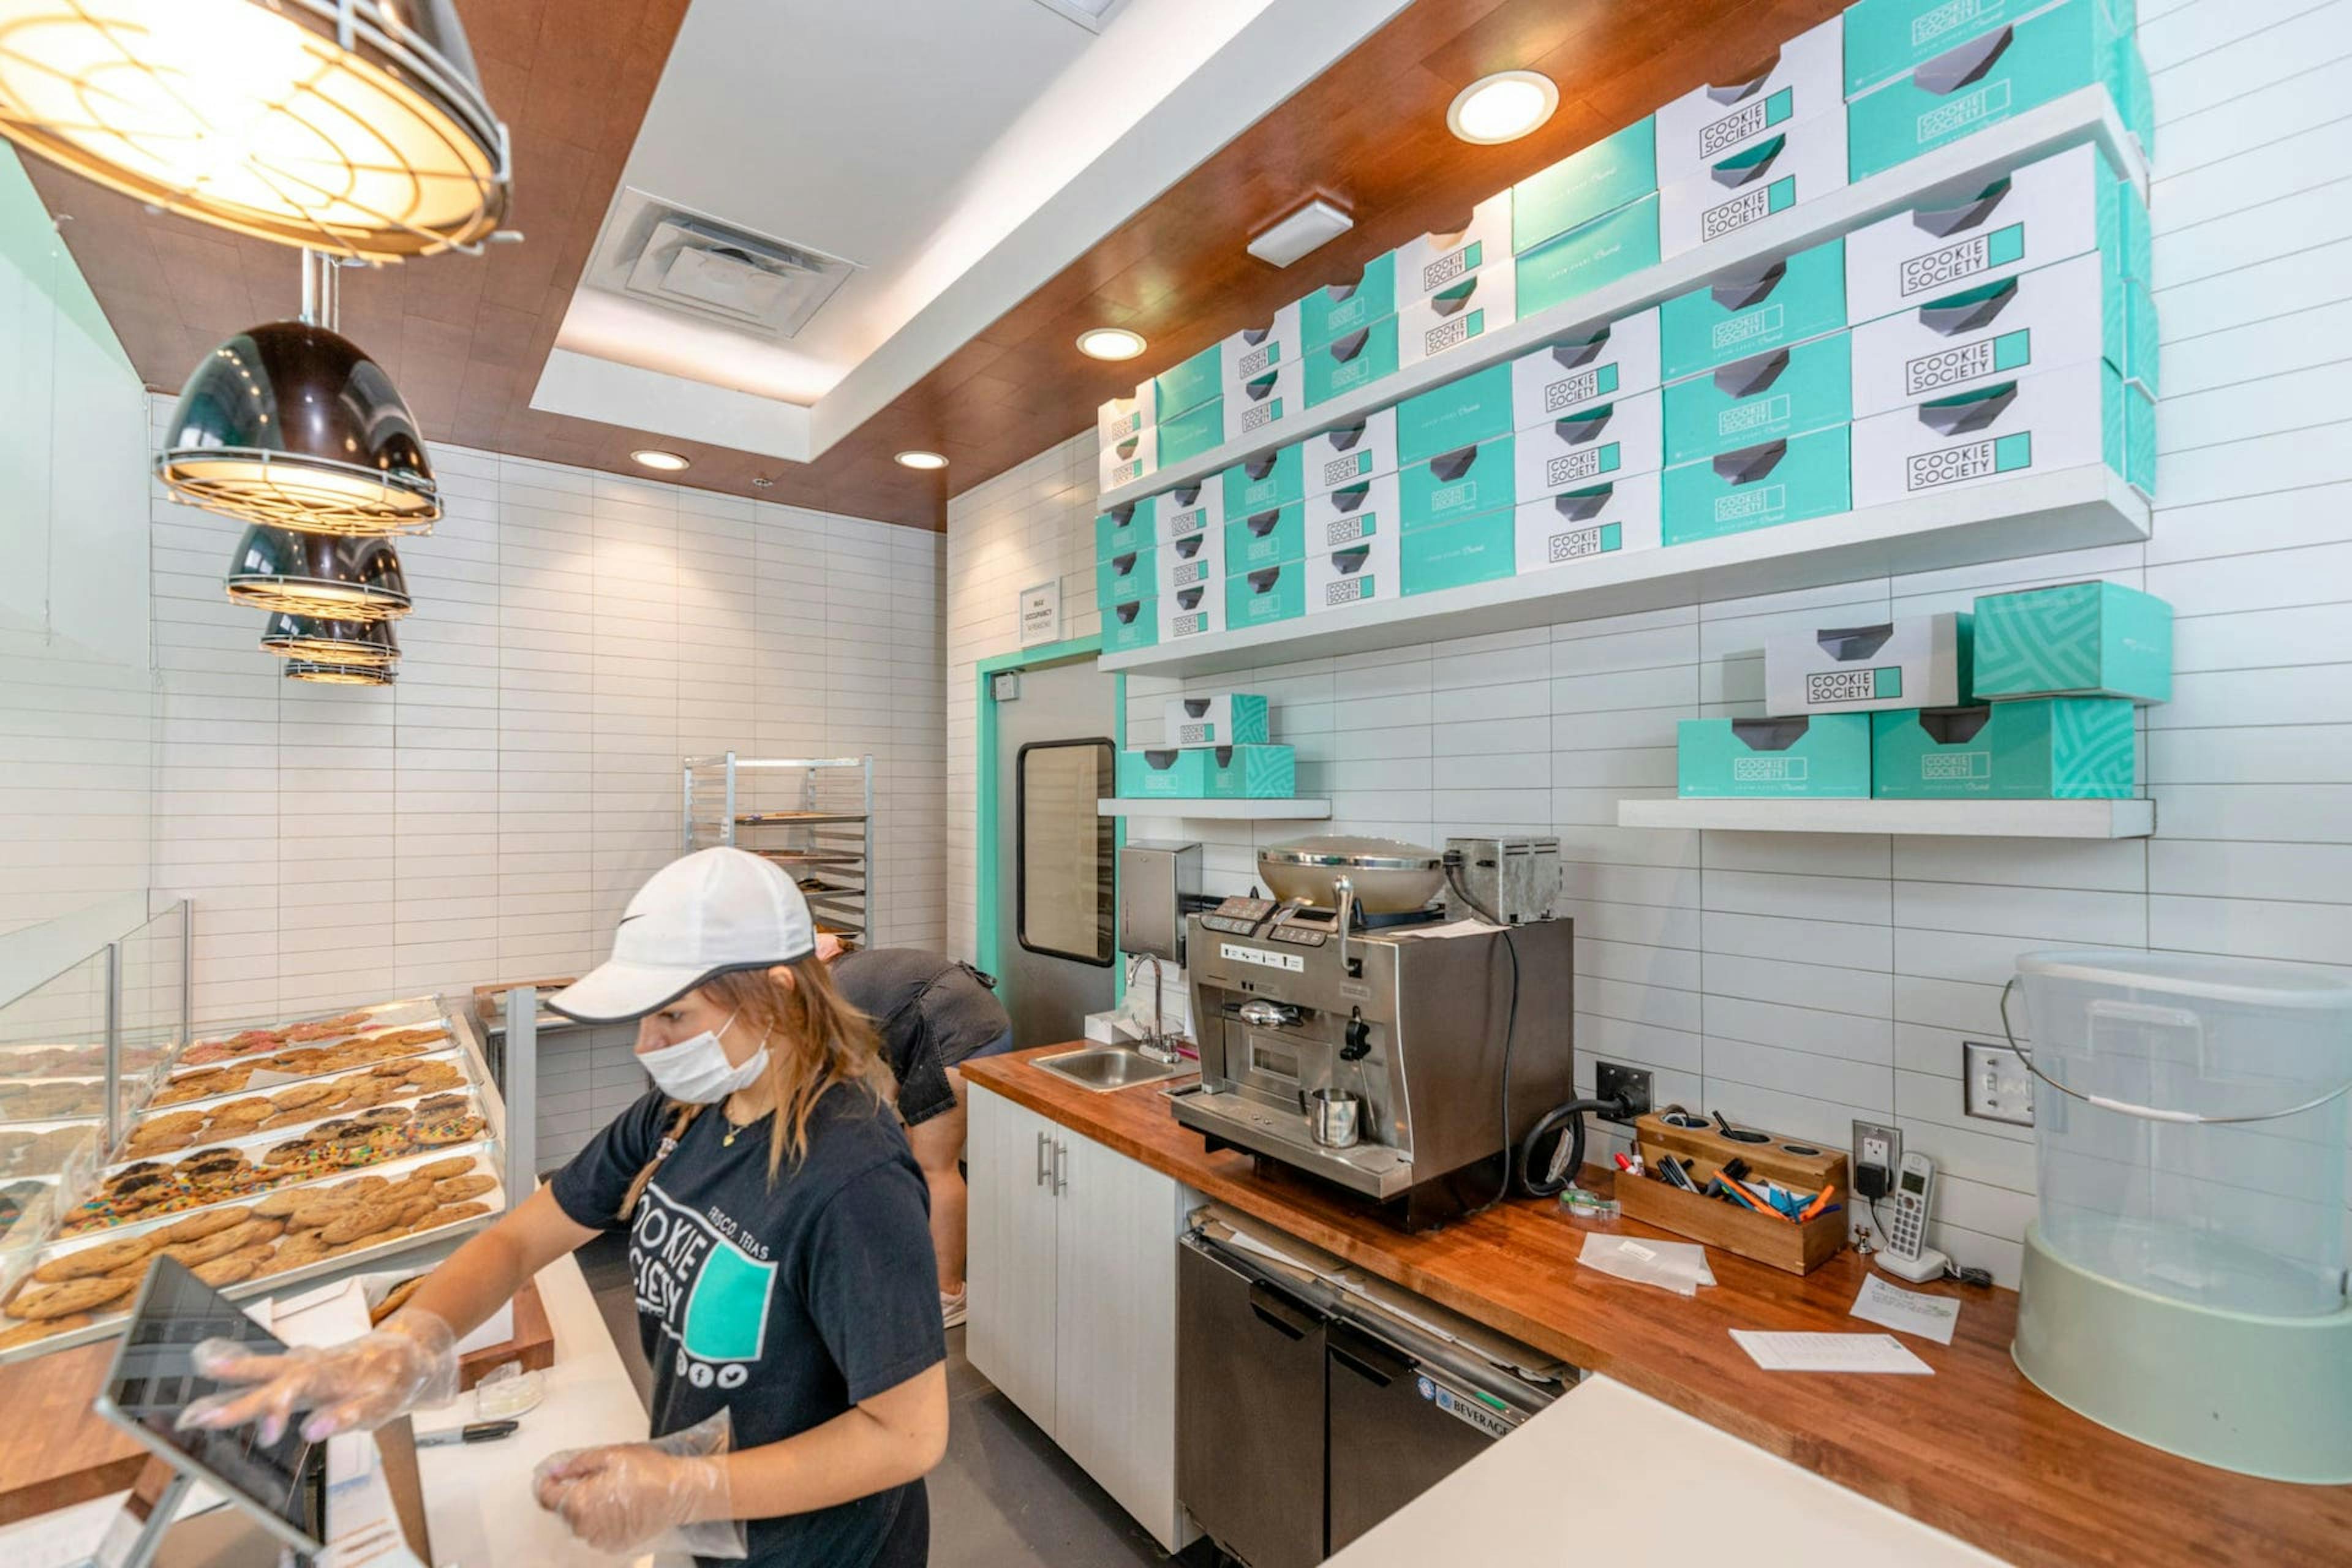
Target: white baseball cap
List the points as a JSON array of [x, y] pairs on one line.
[[709, 913]]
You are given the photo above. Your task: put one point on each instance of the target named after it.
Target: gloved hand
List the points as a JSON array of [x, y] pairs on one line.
[[356, 1387], [622, 1495]]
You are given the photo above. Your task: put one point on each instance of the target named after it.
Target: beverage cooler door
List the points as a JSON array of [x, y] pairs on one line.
[[1392, 1439], [1249, 1413]]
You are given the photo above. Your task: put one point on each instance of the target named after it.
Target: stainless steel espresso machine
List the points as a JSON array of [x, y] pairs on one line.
[[1355, 1028]]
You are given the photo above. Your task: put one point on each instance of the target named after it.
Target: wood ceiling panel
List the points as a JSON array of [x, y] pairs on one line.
[[465, 337]]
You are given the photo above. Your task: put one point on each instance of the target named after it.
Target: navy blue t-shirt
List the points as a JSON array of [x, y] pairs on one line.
[[786, 1304]]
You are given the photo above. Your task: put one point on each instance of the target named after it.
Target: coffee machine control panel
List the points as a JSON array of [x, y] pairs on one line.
[[1294, 922], [1238, 917]]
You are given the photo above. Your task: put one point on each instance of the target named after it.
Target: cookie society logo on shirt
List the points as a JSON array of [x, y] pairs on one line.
[[708, 1284]]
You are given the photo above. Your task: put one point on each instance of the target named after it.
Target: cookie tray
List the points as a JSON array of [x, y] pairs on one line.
[[252, 1145], [439, 1241], [411, 1012], [449, 1052]]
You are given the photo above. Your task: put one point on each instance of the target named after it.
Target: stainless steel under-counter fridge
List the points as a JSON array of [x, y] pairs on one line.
[[1313, 1401]]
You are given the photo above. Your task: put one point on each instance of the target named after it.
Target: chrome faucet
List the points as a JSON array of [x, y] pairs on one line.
[[1156, 1043]]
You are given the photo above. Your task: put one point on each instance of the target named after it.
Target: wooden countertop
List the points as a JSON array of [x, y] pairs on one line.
[[1975, 1450]]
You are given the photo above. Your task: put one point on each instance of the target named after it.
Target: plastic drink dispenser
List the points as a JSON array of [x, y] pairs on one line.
[[2185, 1282]]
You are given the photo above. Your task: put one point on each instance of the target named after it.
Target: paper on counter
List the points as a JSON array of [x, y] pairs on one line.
[[1467, 926], [1829, 1353], [1677, 1265], [1912, 1311]]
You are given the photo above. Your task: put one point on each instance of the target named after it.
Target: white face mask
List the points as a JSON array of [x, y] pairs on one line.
[[697, 1070]]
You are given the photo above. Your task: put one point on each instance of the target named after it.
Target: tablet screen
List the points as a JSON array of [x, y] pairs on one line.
[[154, 1380]]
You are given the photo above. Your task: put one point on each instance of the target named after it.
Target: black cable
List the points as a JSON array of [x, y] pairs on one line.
[[1510, 1039]]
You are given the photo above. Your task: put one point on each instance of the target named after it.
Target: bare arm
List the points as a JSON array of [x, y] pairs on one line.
[[618, 1497], [412, 1360], [895, 1437], [484, 1275]]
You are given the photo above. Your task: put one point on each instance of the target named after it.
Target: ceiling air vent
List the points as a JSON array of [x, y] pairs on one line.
[[698, 265]]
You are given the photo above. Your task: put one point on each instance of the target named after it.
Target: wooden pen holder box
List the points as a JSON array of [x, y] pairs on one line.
[[1800, 1248]]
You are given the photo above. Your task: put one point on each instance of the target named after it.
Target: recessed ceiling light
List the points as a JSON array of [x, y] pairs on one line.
[[1502, 108], [655, 457], [1109, 343], [921, 460]]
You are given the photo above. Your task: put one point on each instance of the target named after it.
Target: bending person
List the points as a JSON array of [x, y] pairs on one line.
[[934, 1014], [777, 1237]]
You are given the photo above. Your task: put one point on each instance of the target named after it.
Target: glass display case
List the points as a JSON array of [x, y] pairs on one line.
[[259, 1155]]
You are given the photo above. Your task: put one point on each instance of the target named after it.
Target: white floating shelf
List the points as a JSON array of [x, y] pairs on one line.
[[1969, 818], [2072, 509], [2087, 114], [1234, 810]]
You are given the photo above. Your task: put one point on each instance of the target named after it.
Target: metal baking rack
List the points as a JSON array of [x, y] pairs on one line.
[[812, 816]]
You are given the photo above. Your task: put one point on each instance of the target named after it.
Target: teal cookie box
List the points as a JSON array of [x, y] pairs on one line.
[[1764, 397], [1458, 484], [1994, 78], [1758, 487], [1127, 528], [1196, 430], [1762, 305], [1267, 538], [1128, 627], [1264, 594], [1884, 38], [1270, 480], [1352, 362], [1191, 384], [1823, 756], [1591, 256], [2079, 640], [1251, 773], [1125, 577], [1463, 412], [1600, 178], [1476, 550], [1344, 308], [2058, 748], [1177, 773]]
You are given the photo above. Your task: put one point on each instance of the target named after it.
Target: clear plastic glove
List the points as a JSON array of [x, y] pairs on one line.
[[356, 1386], [624, 1495]]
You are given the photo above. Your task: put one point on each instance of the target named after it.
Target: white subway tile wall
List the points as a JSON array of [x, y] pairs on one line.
[[1799, 982], [576, 633]]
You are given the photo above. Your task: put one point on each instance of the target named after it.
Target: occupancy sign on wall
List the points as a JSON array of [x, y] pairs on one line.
[[1040, 614]]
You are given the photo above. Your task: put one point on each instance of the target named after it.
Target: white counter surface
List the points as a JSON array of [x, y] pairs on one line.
[[477, 1502], [1616, 1476]]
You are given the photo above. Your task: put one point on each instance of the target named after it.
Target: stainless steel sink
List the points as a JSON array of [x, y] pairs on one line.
[[1105, 1067]]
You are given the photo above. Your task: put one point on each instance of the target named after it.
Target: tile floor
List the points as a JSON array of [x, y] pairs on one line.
[[1004, 1497]]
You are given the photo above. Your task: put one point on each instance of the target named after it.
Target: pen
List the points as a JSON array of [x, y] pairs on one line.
[[479, 1432]]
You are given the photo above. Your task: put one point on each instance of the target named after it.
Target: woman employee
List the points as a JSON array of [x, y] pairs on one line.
[[934, 1014], [778, 1239]]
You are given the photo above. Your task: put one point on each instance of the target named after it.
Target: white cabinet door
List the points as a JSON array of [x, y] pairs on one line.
[[1009, 1325], [1114, 1330]]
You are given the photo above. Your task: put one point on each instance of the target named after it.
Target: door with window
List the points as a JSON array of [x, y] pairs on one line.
[[1055, 858]]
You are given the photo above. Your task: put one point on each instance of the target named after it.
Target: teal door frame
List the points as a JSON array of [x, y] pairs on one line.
[[986, 872]]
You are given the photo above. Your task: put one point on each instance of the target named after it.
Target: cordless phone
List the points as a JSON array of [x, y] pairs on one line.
[[1906, 1255]]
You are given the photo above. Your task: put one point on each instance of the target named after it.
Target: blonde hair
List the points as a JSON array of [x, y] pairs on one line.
[[815, 1041]]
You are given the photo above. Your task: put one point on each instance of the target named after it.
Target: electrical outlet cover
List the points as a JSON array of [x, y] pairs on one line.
[[1611, 1078], [1998, 1086]]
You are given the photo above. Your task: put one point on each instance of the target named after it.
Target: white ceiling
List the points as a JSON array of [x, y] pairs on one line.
[[960, 151]]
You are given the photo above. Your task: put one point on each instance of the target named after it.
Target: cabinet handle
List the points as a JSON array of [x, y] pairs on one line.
[[1041, 1160], [1060, 1168]]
